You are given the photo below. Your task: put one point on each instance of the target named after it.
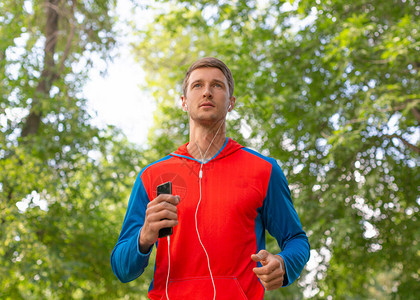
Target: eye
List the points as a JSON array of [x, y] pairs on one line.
[[196, 85], [218, 85]]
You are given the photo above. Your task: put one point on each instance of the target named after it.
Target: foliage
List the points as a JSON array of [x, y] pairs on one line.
[[64, 183], [331, 90]]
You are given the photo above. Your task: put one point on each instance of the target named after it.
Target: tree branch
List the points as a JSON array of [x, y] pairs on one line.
[[404, 141], [69, 38], [406, 102], [403, 105], [416, 113]]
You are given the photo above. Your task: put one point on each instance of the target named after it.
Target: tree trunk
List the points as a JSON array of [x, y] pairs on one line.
[[49, 74]]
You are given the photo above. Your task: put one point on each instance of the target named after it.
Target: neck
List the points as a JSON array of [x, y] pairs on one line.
[[205, 141]]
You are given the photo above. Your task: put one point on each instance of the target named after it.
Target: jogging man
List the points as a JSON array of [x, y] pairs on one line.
[[224, 197]]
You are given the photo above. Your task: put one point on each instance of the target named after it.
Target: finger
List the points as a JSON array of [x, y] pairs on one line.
[[153, 217], [255, 257], [271, 281], [272, 266], [162, 206], [166, 206], [153, 235], [166, 223], [260, 256], [155, 226], [264, 278], [163, 214], [270, 276], [165, 198], [274, 284], [262, 270]]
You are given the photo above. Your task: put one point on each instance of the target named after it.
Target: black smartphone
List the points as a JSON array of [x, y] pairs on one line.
[[165, 188]]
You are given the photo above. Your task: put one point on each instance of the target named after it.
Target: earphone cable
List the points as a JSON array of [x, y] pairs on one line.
[[169, 266], [199, 238], [205, 153]]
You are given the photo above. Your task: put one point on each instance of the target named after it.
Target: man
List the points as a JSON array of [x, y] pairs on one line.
[[224, 198]]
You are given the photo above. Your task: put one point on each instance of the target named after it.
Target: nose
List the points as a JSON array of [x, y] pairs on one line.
[[207, 92]]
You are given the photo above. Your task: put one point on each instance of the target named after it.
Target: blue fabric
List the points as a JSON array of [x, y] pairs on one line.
[[279, 217], [127, 261]]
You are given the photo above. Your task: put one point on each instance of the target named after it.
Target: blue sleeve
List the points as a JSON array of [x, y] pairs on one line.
[[283, 223], [127, 261]]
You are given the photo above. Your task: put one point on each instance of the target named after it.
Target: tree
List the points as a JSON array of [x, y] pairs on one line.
[[331, 90], [64, 183]]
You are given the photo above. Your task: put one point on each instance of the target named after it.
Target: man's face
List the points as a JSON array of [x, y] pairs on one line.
[[207, 96]]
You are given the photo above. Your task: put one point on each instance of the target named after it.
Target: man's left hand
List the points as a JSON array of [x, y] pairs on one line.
[[271, 274]]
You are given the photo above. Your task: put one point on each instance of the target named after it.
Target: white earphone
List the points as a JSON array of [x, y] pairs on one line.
[[230, 107]]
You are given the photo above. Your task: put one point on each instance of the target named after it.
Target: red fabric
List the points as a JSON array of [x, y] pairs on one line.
[[231, 195]]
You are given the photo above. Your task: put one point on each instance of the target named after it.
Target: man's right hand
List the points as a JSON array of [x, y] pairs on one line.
[[161, 212]]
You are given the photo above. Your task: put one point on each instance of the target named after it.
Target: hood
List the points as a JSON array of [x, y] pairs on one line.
[[228, 148]]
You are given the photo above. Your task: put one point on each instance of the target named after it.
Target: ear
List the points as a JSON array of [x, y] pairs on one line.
[[184, 103], [231, 104]]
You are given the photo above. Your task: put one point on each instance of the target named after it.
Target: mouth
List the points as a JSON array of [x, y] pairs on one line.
[[207, 104]]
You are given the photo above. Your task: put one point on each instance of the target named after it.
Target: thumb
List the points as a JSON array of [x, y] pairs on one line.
[[260, 256]]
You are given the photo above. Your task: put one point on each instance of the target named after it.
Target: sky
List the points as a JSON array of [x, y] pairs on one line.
[[116, 98]]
